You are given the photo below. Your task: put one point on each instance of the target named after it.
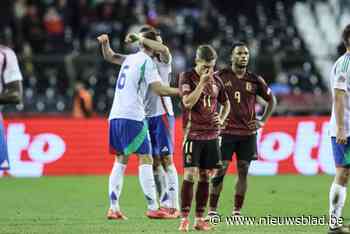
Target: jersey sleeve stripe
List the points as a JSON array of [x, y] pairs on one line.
[[142, 75], [345, 65]]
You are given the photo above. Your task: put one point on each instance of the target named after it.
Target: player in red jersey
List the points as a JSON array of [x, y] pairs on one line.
[[239, 134], [201, 91]]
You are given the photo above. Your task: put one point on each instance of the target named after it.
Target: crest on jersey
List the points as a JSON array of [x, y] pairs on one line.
[[228, 84], [248, 86]]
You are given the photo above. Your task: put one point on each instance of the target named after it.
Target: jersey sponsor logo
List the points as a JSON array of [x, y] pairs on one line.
[[228, 84], [188, 158]]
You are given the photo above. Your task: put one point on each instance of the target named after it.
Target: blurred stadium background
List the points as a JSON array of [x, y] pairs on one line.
[[293, 44]]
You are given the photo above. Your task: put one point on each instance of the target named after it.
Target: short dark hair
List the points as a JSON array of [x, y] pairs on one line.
[[149, 32], [147, 28], [206, 53], [239, 44], [346, 36]]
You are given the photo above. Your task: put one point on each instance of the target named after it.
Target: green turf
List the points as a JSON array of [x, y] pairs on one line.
[[79, 204]]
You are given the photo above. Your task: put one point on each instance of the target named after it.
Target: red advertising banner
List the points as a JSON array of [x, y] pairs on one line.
[[65, 146]]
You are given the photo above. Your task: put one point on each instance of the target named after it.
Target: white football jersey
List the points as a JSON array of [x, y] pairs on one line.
[[136, 73], [9, 68], [340, 79], [154, 104]]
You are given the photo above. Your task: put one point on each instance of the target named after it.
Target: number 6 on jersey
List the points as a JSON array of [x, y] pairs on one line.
[[122, 77]]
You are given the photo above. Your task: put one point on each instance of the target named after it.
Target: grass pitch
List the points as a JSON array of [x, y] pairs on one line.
[[79, 204]]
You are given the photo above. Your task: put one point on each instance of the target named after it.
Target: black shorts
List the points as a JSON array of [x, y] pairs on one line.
[[245, 147], [204, 154]]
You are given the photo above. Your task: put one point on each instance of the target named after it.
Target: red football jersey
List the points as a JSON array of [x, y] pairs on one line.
[[242, 94], [199, 122]]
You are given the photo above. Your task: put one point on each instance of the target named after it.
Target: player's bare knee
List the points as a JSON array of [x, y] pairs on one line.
[[343, 176], [123, 159], [217, 180], [166, 161], [243, 167], [204, 175], [190, 174], [146, 159], [156, 163]]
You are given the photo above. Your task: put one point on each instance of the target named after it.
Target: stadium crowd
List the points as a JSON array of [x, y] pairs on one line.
[[56, 44]]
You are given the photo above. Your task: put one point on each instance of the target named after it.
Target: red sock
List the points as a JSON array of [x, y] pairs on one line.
[[239, 199], [186, 198], [202, 195], [213, 201]]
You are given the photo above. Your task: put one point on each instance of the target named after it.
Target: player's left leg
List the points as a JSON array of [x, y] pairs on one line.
[[115, 185], [4, 160], [241, 185], [210, 160], [227, 148], [165, 139], [158, 170], [337, 197], [337, 193], [173, 184], [160, 178], [246, 152], [146, 179], [117, 137], [202, 195]]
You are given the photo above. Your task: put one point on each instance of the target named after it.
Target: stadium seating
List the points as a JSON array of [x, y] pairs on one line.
[[281, 50]]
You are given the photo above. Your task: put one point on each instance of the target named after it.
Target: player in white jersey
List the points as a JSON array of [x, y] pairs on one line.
[[340, 136], [128, 129], [10, 93], [161, 122]]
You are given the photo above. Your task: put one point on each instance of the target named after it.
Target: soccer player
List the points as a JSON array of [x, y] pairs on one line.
[[11, 91], [239, 134], [340, 132], [201, 91], [128, 129], [161, 122]]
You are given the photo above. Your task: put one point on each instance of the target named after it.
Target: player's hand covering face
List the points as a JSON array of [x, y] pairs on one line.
[[240, 56], [205, 69]]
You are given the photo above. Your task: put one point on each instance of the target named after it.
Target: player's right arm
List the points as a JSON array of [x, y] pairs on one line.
[[340, 89], [163, 90], [190, 98], [159, 47], [339, 106], [154, 81], [13, 88], [108, 54], [12, 93]]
